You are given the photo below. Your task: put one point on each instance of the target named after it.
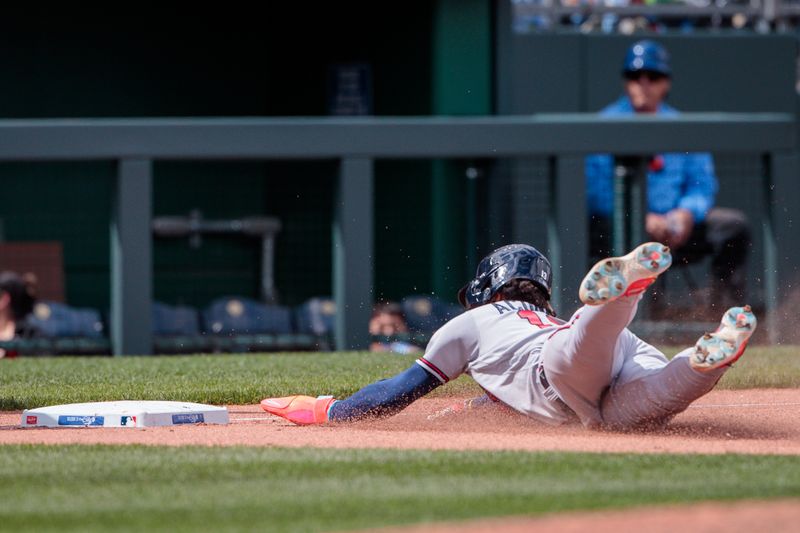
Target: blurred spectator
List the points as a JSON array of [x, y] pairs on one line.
[[17, 296], [679, 15], [389, 330], [681, 187]]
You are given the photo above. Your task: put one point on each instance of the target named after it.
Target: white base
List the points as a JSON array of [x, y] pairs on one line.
[[124, 413]]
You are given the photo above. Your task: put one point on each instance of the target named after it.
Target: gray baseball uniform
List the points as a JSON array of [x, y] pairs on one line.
[[590, 366]]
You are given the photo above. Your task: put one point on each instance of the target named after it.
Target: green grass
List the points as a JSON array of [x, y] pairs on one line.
[[244, 379], [134, 488], [764, 367], [220, 379], [760, 367], [101, 488]]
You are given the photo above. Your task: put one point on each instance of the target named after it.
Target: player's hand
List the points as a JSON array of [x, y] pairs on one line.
[[460, 407], [448, 411]]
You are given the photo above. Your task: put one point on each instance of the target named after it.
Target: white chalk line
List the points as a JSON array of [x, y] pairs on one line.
[[717, 405], [250, 419]]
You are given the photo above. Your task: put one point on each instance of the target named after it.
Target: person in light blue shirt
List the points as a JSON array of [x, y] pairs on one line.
[[681, 187]]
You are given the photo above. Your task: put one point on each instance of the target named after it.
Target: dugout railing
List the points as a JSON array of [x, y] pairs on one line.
[[356, 142]]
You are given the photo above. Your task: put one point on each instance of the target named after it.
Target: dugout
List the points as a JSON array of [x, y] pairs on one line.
[[441, 58]]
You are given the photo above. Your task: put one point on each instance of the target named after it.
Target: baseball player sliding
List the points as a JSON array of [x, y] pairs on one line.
[[590, 368]]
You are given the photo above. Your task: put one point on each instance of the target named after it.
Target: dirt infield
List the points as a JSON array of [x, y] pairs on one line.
[[744, 517], [747, 421]]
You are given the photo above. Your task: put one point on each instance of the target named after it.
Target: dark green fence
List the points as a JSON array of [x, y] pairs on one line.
[[134, 144]]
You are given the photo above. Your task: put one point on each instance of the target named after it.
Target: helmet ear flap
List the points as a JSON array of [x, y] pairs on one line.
[[474, 292], [486, 295]]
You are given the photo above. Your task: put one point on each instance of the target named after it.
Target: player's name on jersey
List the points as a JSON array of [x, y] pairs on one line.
[[507, 306]]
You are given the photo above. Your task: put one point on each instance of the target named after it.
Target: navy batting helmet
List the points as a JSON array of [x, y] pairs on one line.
[[515, 261], [649, 56]]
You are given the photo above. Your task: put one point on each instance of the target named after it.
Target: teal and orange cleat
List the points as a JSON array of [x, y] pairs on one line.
[[302, 410], [627, 275], [726, 345]]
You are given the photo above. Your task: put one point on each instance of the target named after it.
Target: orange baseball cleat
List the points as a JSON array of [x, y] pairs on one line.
[[302, 410]]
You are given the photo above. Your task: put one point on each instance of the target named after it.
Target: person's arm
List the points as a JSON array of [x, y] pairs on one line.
[[700, 187], [385, 397], [599, 170], [678, 224]]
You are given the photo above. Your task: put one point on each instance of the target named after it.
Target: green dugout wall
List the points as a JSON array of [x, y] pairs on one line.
[[432, 222], [267, 63], [572, 72]]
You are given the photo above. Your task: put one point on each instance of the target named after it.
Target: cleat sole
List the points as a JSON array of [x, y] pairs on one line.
[[727, 344], [627, 275]]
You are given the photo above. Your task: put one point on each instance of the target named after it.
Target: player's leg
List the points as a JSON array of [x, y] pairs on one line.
[[649, 390], [578, 359]]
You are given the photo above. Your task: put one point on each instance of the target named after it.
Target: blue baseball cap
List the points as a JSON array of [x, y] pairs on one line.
[[648, 56]]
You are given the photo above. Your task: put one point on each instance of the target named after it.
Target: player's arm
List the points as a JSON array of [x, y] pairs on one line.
[[385, 397], [382, 398], [445, 359]]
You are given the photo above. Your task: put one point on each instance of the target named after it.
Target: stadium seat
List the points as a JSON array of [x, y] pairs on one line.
[[317, 317], [176, 329], [175, 320], [425, 314], [239, 315], [239, 324], [66, 330], [55, 319]]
